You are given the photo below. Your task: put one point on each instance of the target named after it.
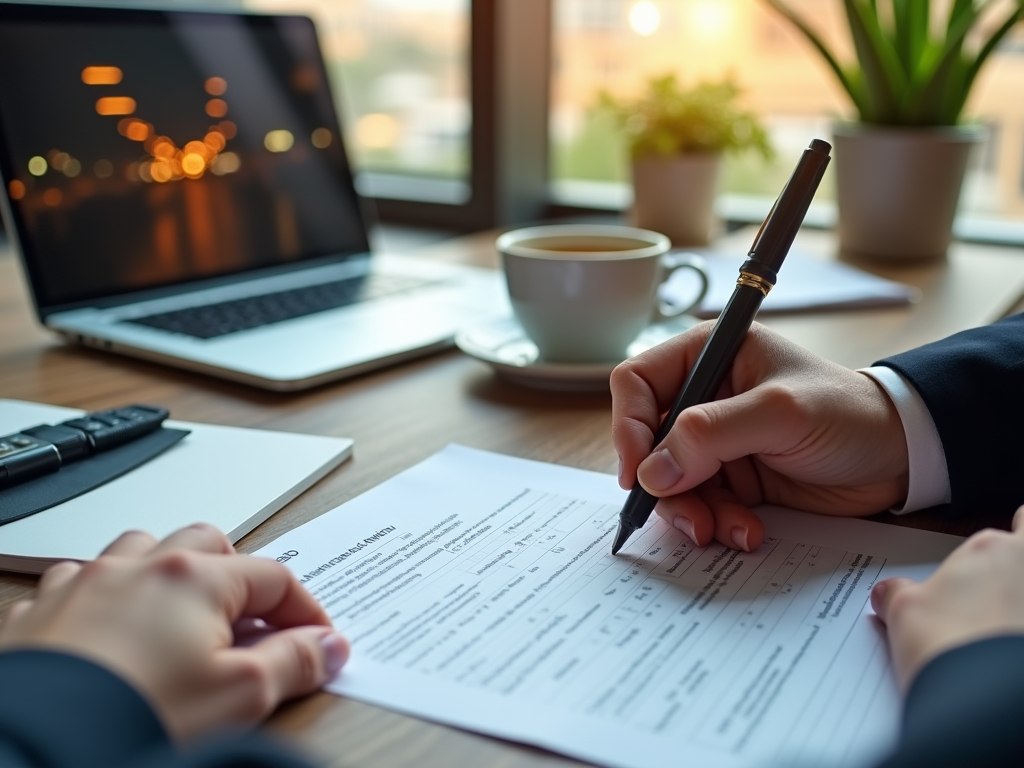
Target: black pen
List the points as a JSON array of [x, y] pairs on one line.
[[757, 277]]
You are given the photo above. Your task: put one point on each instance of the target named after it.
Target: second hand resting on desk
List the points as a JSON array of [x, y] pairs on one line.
[[757, 276]]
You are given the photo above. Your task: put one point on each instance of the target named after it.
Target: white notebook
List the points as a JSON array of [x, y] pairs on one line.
[[230, 477]]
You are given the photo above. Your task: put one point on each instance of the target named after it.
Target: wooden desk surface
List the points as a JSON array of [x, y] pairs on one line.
[[402, 415]]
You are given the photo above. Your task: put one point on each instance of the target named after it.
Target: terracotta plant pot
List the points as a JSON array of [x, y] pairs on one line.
[[676, 196], [898, 188]]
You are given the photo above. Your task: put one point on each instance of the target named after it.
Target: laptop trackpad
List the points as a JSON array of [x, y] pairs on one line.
[[329, 341]]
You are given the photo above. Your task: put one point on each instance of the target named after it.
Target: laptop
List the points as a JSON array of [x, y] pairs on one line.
[[177, 187]]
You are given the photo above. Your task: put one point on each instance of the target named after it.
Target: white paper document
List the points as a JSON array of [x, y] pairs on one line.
[[806, 284], [479, 590]]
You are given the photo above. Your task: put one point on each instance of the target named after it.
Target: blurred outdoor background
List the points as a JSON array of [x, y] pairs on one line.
[[401, 67]]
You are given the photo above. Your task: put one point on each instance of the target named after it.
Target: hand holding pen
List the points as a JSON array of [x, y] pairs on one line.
[[757, 277]]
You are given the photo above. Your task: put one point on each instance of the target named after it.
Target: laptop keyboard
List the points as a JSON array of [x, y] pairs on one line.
[[213, 320]]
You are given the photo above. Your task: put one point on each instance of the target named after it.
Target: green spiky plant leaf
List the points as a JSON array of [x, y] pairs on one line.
[[905, 74], [670, 119]]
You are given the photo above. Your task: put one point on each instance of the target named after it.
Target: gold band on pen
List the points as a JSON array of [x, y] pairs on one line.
[[754, 281]]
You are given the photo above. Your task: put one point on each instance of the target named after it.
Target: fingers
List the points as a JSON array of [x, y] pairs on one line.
[[689, 514], [131, 544], [56, 576], [706, 436], [282, 666], [199, 537], [15, 612], [713, 513], [643, 388], [1017, 526], [301, 660], [885, 592], [248, 587], [736, 526]]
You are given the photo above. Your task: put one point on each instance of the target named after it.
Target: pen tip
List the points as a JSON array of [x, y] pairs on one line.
[[621, 536]]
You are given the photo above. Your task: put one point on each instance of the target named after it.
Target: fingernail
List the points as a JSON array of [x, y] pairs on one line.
[[660, 471], [620, 471], [684, 525], [878, 597], [739, 538], [335, 653]]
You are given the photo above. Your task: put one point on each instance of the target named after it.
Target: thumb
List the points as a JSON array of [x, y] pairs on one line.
[[762, 420], [1017, 526], [283, 665], [883, 594]]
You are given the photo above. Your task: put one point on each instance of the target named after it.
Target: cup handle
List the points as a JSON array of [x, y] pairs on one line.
[[673, 262]]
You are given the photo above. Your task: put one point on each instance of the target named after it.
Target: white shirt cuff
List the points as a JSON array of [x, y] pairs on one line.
[[929, 477]]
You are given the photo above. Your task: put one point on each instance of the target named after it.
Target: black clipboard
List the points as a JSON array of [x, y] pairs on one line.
[[83, 476]]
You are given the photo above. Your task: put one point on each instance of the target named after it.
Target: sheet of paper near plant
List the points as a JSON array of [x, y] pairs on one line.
[[805, 283], [478, 590]]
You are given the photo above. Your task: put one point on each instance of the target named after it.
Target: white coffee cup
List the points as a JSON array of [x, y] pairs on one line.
[[584, 292]]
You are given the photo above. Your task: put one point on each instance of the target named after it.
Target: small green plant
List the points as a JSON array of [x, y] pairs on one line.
[[668, 119], [905, 74]]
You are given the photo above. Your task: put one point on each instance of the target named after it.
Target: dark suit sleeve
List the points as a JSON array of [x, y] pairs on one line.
[[973, 386], [61, 711], [965, 708]]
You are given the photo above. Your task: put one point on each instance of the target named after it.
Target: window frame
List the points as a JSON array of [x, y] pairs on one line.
[[510, 53]]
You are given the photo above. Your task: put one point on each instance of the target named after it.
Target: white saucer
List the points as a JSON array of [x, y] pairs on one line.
[[504, 346]]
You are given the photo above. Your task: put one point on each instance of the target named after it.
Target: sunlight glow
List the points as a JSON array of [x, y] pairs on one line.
[[644, 18]]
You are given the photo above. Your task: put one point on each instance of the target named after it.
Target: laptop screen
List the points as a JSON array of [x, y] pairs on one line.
[[142, 149]]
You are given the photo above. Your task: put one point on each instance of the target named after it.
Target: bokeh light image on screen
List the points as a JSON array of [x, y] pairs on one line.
[[154, 148]]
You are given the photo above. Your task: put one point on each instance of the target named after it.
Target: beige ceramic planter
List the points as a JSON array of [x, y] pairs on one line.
[[898, 188], [676, 196]]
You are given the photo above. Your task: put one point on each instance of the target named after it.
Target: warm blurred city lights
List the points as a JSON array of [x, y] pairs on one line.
[[644, 18], [58, 159], [115, 105], [229, 162], [198, 148], [16, 190], [216, 86], [377, 131], [163, 148], [215, 141], [161, 171], [37, 166], [321, 138], [216, 107], [101, 75], [193, 164], [165, 161], [279, 141], [134, 129], [52, 197]]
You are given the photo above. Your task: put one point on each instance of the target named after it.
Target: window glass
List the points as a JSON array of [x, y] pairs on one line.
[[615, 45], [400, 69]]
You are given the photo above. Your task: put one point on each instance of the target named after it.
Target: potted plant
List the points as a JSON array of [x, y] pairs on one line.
[[676, 138], [900, 168]]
